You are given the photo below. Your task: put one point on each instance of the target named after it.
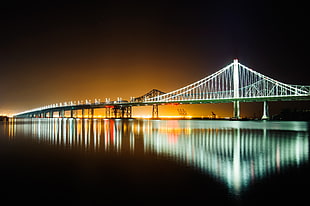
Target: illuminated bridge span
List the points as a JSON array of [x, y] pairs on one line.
[[234, 83]]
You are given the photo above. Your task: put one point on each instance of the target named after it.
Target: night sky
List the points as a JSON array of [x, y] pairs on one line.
[[56, 51]]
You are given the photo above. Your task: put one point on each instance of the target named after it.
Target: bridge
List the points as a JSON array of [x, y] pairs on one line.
[[234, 83]]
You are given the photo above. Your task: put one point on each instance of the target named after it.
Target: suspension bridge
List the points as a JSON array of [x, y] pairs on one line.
[[234, 83]]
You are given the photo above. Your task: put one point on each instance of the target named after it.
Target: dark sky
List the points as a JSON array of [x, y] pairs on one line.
[[56, 51]]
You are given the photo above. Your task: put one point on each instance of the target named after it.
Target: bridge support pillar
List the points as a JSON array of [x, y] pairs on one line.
[[116, 112], [126, 112], [71, 113], [129, 112], [265, 111], [92, 111], [236, 114], [155, 111], [108, 112], [82, 113], [62, 113], [122, 112]]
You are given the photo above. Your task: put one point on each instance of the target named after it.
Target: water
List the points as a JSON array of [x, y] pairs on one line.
[[153, 162]]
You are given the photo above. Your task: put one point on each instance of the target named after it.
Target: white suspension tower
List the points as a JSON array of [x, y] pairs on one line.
[[236, 114]]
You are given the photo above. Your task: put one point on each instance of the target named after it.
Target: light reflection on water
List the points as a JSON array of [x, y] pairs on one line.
[[237, 153]]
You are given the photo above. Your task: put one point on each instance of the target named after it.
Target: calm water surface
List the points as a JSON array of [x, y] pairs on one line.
[[154, 162]]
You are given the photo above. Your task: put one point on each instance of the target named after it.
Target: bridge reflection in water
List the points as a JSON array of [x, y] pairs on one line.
[[235, 153]]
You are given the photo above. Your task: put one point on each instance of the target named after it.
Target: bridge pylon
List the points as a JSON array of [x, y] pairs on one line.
[[155, 111], [236, 114], [265, 111]]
